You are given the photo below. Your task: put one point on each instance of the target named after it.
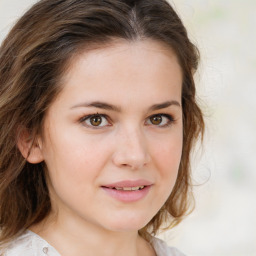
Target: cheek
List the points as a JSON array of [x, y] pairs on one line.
[[166, 160], [167, 154], [75, 159]]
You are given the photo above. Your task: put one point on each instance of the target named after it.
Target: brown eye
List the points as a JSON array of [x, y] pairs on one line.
[[160, 120], [96, 120], [156, 120]]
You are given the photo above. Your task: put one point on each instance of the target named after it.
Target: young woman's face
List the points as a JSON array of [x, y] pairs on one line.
[[113, 137]]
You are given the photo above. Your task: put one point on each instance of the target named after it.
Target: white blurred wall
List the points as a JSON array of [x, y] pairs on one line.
[[224, 222]]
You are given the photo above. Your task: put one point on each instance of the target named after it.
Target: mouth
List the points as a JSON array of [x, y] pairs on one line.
[[128, 191], [127, 188]]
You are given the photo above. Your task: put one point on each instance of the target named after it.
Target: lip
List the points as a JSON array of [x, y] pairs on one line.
[[128, 196], [129, 183]]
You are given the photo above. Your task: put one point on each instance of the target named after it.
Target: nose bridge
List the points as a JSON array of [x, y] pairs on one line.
[[134, 139], [132, 150]]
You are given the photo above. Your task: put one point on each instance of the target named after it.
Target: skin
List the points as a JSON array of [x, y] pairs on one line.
[[132, 77]]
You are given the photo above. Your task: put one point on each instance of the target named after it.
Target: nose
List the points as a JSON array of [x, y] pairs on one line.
[[131, 150]]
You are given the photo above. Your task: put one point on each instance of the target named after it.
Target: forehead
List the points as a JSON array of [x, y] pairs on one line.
[[133, 53], [126, 69]]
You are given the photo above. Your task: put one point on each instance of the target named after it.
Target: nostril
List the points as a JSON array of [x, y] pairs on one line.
[[130, 160]]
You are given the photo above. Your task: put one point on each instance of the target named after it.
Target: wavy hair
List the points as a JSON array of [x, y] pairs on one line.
[[33, 58]]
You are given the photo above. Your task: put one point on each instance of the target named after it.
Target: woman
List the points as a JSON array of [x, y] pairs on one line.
[[98, 117]]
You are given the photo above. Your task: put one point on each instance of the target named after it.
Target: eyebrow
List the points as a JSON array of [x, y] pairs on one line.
[[98, 104], [107, 106], [164, 105]]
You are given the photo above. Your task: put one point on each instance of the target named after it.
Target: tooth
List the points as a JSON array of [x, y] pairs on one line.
[[130, 188], [127, 188]]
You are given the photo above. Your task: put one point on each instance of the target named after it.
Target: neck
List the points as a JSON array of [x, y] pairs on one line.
[[76, 237]]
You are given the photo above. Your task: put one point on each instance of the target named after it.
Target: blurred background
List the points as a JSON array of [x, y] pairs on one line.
[[224, 168]]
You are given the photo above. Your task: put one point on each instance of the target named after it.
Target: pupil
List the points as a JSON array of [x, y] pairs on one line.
[[156, 120], [96, 120]]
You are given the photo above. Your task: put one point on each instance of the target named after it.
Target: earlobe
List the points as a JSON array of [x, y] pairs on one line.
[[30, 148]]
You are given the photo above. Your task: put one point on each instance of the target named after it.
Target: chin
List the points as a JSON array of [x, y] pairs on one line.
[[128, 223]]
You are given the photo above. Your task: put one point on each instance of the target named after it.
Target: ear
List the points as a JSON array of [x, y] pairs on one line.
[[30, 147]]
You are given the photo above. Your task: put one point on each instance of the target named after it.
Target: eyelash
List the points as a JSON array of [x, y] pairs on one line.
[[88, 117], [170, 120]]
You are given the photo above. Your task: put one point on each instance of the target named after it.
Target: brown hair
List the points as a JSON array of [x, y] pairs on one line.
[[33, 58]]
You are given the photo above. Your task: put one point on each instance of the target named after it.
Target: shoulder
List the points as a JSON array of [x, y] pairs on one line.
[[27, 244], [24, 244], [162, 249]]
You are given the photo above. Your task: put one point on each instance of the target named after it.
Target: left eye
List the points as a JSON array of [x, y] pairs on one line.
[[160, 120], [96, 120]]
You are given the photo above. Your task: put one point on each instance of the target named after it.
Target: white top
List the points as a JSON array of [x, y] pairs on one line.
[[31, 244]]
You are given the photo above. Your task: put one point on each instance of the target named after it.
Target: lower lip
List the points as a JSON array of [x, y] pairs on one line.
[[127, 196]]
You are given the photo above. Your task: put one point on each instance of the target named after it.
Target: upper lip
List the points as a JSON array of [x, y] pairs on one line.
[[129, 183]]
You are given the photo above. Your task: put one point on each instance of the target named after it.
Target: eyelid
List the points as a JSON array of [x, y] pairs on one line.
[[170, 121], [170, 118], [87, 117]]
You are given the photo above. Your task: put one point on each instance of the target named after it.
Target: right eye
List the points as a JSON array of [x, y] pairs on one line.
[[95, 120]]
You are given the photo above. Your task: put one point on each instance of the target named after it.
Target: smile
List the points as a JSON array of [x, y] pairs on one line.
[[128, 191], [129, 188]]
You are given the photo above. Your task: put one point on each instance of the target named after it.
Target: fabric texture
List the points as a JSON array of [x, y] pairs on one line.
[[30, 244]]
